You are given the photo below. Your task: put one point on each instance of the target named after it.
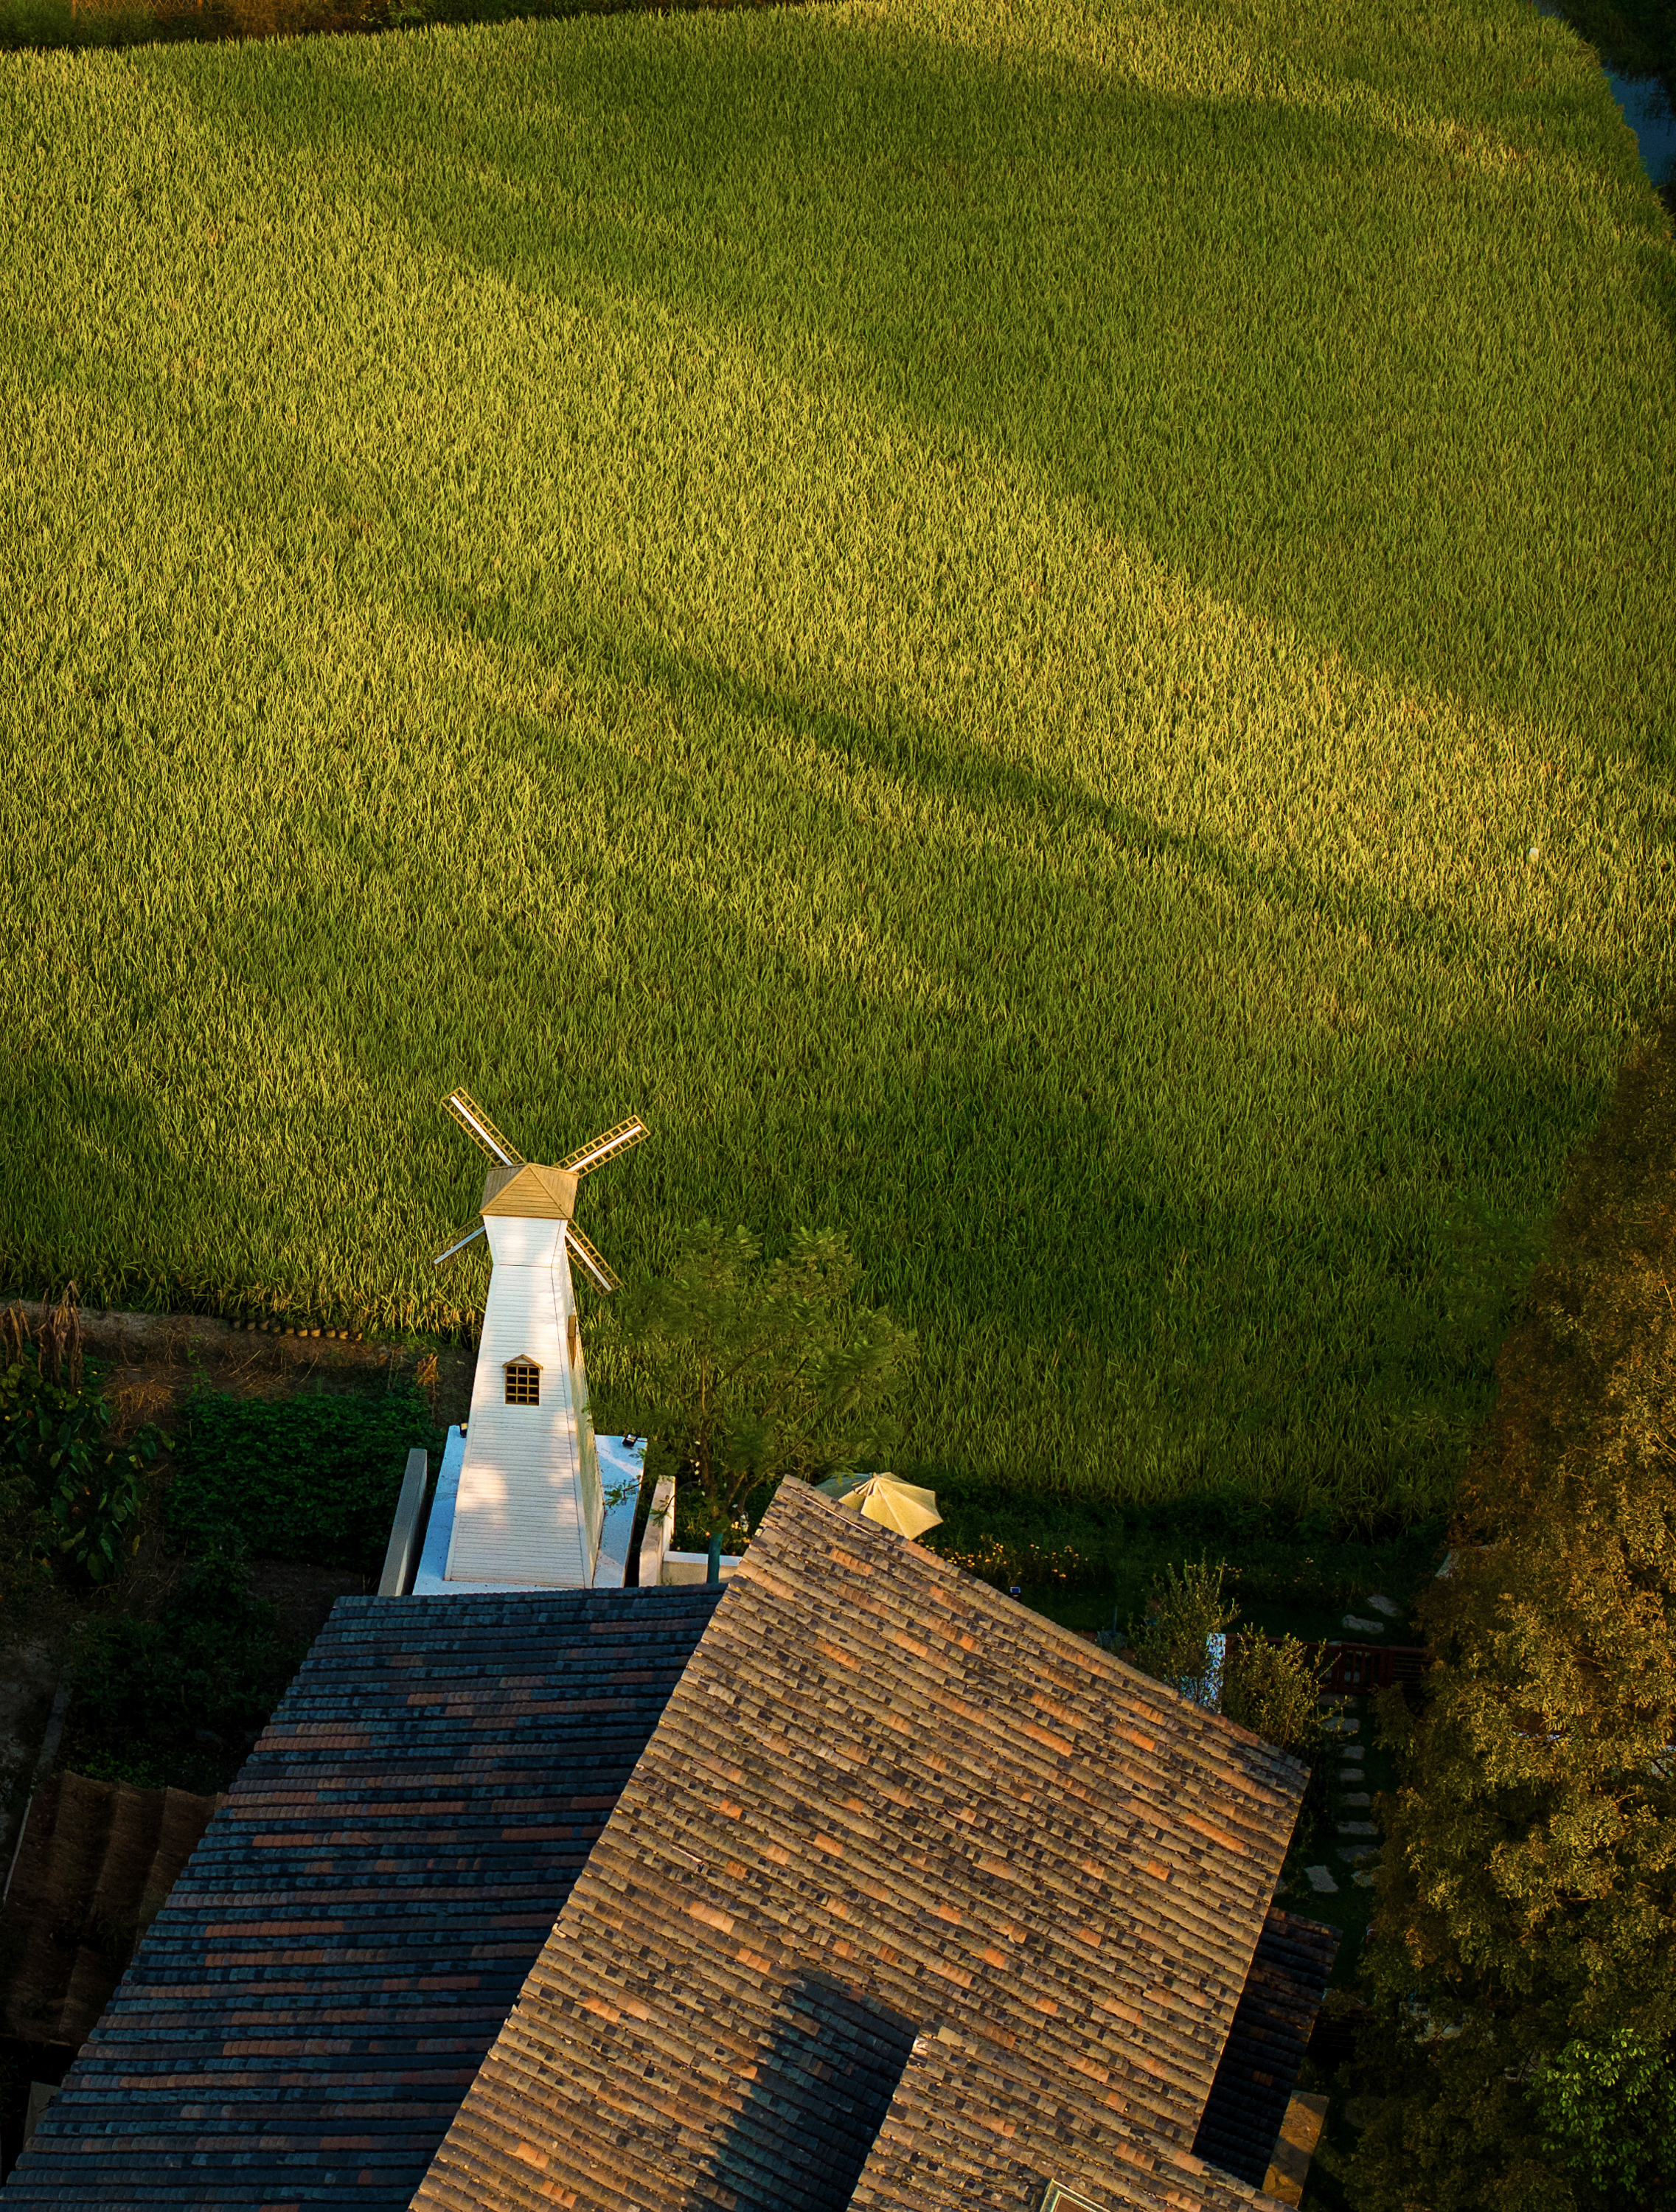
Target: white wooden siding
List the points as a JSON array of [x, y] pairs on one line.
[[525, 1514]]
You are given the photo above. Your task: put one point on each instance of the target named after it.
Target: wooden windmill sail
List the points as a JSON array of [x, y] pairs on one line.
[[529, 1506]]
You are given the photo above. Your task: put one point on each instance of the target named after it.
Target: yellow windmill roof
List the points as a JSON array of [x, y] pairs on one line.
[[536, 1194]]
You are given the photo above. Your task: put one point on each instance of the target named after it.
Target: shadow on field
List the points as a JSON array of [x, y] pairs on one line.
[[1262, 407], [1037, 1192], [81, 24], [943, 771]]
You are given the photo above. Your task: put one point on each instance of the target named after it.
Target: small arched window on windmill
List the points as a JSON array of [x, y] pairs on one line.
[[523, 1383]]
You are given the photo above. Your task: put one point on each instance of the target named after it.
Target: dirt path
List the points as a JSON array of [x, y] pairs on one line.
[[151, 1360]]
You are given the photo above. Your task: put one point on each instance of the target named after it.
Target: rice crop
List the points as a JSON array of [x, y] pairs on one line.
[[1044, 633]]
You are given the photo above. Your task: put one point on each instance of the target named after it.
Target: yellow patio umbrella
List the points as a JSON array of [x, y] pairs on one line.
[[899, 1506]]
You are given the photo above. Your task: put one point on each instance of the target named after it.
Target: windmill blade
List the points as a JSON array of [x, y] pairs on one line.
[[470, 1238], [481, 1130], [590, 1259], [606, 1147]]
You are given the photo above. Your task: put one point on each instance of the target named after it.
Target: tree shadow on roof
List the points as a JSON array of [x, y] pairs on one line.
[[817, 2098]]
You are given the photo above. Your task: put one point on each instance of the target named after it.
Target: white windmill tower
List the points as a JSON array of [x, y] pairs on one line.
[[527, 1505]]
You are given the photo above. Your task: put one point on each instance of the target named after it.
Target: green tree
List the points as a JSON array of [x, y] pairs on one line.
[[745, 1370], [1178, 1642], [1608, 2112], [1527, 1892]]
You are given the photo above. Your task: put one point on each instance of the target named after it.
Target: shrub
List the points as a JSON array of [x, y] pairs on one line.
[[55, 1442], [313, 1477], [1273, 1686], [1179, 1640], [178, 1700]]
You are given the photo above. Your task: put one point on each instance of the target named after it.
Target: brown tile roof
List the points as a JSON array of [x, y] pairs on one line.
[[97, 1862], [935, 2151], [912, 1893]]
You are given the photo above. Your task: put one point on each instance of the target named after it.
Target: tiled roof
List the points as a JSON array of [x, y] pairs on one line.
[[1266, 2044], [901, 1855], [937, 2148], [299, 2025], [95, 1862]]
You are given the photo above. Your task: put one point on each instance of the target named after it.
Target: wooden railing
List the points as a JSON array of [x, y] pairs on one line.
[[1348, 1669], [1356, 1667]]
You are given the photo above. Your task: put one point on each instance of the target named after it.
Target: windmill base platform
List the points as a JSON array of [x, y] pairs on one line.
[[620, 1465]]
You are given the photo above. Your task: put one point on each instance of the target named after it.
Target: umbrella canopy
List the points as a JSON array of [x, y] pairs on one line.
[[899, 1506]]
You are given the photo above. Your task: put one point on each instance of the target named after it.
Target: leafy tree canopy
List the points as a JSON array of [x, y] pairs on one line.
[[745, 1370], [1527, 1916]]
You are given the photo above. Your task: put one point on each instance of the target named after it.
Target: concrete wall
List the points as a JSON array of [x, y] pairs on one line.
[[694, 1567]]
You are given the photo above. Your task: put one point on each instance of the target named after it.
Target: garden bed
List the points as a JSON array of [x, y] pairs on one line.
[[271, 1499]]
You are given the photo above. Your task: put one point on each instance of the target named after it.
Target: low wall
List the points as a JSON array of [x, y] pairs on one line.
[[401, 1558], [654, 1542], [693, 1567]]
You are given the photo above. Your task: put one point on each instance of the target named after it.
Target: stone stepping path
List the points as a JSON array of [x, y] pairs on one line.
[[1358, 1623], [1342, 1729]]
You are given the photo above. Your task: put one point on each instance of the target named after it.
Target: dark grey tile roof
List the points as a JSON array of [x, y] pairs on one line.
[[1258, 2070], [311, 2004], [901, 1855]]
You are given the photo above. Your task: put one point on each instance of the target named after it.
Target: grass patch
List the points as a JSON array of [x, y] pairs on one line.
[[1044, 633], [1089, 1562]]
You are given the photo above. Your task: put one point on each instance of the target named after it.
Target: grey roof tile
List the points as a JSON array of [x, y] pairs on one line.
[[1272, 2023], [309, 2008]]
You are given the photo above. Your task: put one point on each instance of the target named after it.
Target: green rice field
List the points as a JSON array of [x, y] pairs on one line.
[[1044, 631]]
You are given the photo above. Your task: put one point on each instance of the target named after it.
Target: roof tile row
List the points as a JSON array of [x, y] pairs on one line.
[[851, 1850], [309, 2007]]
